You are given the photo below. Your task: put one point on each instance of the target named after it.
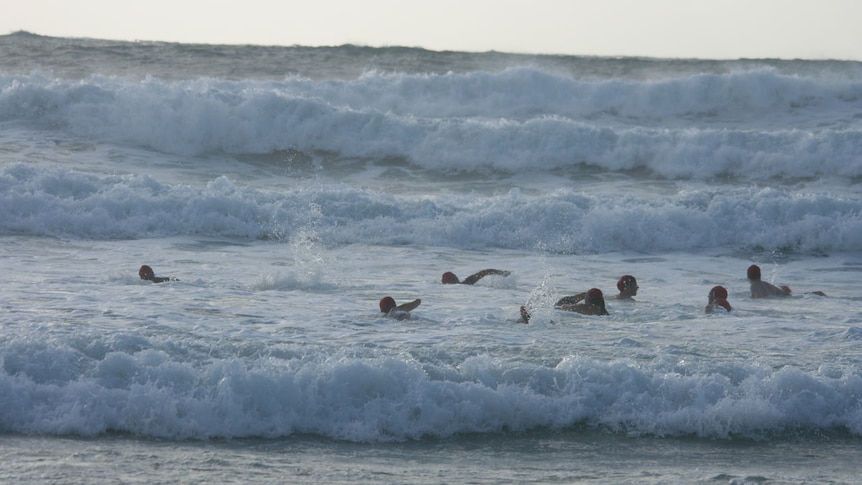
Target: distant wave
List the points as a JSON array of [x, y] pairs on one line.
[[64, 203], [757, 125]]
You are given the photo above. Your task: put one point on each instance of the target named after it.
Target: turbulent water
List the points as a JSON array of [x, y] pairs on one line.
[[288, 189]]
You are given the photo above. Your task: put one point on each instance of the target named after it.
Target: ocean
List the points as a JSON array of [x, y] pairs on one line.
[[286, 190]]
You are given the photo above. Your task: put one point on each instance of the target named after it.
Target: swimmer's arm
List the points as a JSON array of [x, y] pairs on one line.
[[409, 306], [570, 300], [485, 272]]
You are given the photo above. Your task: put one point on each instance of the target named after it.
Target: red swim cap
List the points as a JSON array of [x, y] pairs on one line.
[[595, 297], [146, 273], [387, 303], [626, 281], [718, 293], [449, 278], [754, 272]]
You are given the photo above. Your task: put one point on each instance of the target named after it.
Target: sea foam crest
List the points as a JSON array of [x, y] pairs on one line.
[[100, 389], [755, 124], [59, 202]]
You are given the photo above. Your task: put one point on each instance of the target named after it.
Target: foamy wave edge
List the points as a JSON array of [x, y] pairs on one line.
[[757, 125], [389, 399]]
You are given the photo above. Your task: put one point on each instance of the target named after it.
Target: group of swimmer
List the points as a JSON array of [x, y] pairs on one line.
[[389, 308], [590, 302]]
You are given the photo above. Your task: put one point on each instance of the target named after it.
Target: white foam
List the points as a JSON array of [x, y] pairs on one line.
[[756, 124], [59, 202], [288, 207], [219, 354]]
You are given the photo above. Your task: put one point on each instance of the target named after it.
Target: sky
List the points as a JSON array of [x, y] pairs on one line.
[[713, 29]]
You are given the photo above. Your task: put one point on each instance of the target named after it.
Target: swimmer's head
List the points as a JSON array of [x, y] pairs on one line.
[[449, 278], [718, 295], [387, 303], [754, 272], [146, 273], [595, 297], [627, 284]]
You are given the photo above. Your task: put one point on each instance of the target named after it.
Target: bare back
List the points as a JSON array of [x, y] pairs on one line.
[[762, 289]]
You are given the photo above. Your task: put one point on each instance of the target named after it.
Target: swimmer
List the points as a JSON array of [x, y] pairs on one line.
[[525, 315], [146, 273], [762, 289], [449, 278], [590, 302], [717, 298], [593, 304], [627, 284], [393, 310]]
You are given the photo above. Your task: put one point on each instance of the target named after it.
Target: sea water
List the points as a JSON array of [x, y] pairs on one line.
[[287, 189]]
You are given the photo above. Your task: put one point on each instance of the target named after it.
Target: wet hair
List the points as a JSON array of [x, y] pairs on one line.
[[754, 272], [718, 296], [718, 293], [449, 278], [595, 297], [387, 303], [146, 273]]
